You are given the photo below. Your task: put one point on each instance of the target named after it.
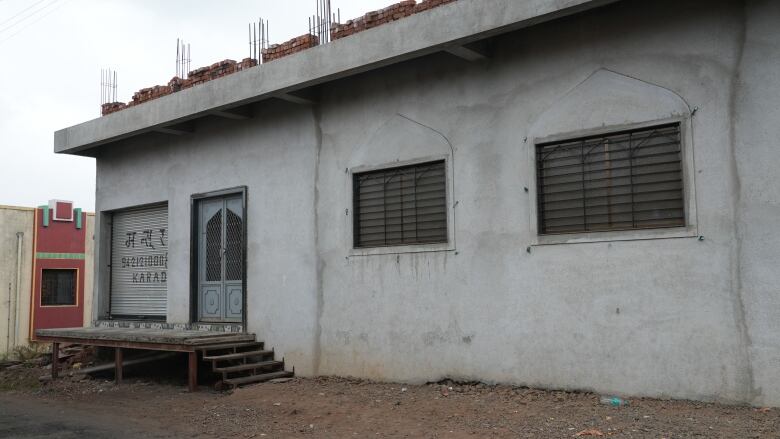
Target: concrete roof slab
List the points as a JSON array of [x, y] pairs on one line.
[[438, 29]]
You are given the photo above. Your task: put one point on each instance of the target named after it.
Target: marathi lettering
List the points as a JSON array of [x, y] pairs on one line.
[[153, 266], [149, 261], [147, 239], [130, 242], [150, 277]]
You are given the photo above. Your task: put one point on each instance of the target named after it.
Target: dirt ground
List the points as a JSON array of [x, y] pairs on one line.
[[338, 408]]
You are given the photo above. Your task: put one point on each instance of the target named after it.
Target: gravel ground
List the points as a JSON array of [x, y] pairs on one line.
[[337, 408]]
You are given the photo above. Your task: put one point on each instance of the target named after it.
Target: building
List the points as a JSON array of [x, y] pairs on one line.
[[45, 268], [567, 194]]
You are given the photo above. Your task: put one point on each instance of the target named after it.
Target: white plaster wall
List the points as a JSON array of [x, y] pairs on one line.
[[655, 317], [634, 313], [756, 157], [15, 220], [89, 273], [274, 156]]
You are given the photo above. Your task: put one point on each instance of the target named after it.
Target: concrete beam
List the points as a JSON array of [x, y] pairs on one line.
[[468, 53], [295, 99], [233, 114], [455, 24], [178, 130]]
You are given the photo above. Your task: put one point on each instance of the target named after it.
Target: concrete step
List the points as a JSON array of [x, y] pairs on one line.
[[250, 366], [258, 378], [237, 355]]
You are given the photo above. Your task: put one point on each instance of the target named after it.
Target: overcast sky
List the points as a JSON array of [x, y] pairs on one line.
[[52, 51]]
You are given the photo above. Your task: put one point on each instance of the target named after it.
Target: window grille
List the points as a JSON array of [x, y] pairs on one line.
[[234, 249], [401, 206], [214, 247], [58, 287], [618, 181]]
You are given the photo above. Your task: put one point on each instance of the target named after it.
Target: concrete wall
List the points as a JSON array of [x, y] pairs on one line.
[[15, 316], [89, 273], [755, 158], [274, 156], [656, 313]]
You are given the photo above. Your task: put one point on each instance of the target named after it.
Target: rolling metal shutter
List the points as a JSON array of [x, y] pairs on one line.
[[619, 181], [399, 206], [139, 262]]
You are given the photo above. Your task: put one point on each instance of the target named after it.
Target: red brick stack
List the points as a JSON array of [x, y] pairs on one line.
[[147, 94], [223, 68], [373, 19], [246, 63], [214, 71], [382, 16], [295, 45], [176, 84], [205, 74], [198, 76], [429, 4], [112, 107]]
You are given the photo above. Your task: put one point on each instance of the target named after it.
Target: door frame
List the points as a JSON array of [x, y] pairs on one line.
[[194, 263]]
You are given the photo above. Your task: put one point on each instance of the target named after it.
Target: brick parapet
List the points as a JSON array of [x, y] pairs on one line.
[[295, 45], [226, 67], [373, 19]]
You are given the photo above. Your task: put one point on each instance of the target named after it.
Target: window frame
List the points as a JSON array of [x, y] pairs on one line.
[[77, 279], [690, 229], [449, 245]]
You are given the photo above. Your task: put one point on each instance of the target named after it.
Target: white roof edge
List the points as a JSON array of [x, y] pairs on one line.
[[456, 23]]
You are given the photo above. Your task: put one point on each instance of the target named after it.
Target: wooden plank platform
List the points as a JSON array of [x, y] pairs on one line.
[[187, 339], [170, 340]]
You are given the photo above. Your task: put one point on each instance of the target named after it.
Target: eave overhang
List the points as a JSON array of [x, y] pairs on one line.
[[448, 28]]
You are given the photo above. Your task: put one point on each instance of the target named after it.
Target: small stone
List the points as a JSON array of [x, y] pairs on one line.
[[280, 380]]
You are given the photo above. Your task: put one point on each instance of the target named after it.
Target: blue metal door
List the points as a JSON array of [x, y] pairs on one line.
[[221, 259]]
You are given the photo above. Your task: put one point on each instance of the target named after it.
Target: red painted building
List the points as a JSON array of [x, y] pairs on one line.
[[59, 274]]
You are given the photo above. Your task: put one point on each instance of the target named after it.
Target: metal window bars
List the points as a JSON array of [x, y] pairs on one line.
[[618, 181], [401, 206]]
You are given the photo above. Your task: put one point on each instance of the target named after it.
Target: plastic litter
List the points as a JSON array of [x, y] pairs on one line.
[[614, 401]]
